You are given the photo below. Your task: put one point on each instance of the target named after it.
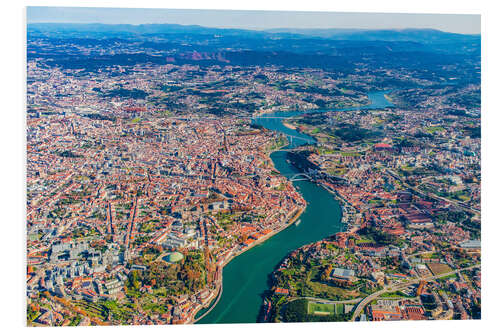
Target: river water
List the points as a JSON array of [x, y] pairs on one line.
[[245, 277]]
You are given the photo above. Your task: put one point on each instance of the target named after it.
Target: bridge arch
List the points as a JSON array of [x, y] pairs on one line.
[[300, 176]]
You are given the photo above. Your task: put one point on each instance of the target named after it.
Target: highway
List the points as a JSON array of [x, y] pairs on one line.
[[396, 287]]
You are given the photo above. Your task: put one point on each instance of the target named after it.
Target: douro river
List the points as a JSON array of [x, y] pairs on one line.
[[245, 277]]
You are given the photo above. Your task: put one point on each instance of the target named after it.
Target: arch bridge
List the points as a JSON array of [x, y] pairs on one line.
[[300, 176]]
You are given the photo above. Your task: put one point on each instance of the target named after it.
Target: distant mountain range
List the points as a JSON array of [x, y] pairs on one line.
[[413, 35], [141, 29], [341, 50]]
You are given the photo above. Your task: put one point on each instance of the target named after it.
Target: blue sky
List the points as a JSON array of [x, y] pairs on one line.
[[459, 23]]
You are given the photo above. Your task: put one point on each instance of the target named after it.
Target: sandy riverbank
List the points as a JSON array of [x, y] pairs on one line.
[[288, 125]]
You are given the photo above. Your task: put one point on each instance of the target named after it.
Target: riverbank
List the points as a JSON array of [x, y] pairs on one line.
[[211, 305], [345, 217]]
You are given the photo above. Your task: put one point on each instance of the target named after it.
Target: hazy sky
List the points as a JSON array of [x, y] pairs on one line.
[[468, 24]]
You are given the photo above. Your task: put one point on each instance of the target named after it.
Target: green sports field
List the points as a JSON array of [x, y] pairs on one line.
[[324, 309]]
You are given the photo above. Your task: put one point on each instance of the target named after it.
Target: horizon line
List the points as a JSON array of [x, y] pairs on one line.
[[256, 29]]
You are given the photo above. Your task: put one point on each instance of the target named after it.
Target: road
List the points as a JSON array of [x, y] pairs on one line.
[[219, 295], [326, 301], [392, 287]]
